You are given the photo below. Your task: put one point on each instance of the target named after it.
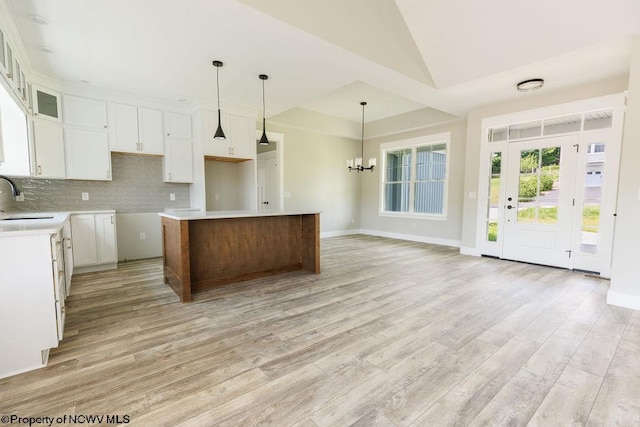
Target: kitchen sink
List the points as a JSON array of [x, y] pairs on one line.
[[20, 218]]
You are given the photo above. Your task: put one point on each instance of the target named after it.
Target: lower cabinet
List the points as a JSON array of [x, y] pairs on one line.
[[94, 241], [33, 289]]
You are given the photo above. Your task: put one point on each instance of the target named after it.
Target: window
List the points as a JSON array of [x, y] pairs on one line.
[[415, 176]]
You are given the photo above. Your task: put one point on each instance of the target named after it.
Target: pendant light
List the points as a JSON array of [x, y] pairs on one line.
[[219, 132], [357, 165], [263, 138]]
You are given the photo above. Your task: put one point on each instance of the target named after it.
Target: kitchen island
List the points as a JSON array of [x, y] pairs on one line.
[[204, 250]]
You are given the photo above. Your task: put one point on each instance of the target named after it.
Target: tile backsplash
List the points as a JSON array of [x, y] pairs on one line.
[[137, 186]]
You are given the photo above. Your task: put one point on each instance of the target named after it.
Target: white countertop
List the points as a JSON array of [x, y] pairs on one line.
[[46, 222], [195, 215], [50, 223]]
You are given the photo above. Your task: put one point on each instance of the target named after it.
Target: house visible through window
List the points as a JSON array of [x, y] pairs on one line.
[[415, 176]]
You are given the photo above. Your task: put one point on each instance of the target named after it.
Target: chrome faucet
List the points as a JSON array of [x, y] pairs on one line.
[[14, 188]]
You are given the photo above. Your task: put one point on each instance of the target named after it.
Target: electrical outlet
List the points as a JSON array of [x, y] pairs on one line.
[[85, 196], [143, 236], [20, 198], [172, 196], [217, 196]]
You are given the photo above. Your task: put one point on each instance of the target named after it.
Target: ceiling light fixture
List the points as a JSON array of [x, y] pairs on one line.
[[357, 165], [529, 85], [40, 20], [263, 138], [219, 132]]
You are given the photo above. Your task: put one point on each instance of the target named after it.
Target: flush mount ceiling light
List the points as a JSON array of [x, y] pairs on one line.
[[529, 85], [263, 138], [357, 165], [219, 132]]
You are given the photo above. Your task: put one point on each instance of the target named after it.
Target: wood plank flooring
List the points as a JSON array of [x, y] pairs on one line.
[[391, 333]]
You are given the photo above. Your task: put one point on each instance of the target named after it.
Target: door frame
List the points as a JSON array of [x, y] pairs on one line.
[[614, 102], [278, 138]]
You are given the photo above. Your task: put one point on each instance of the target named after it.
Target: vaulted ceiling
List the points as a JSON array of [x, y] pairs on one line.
[[402, 56]]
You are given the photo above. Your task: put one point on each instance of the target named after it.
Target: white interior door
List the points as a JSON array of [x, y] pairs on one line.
[[540, 192], [268, 181]]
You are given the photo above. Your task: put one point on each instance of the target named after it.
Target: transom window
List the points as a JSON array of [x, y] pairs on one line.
[[414, 178]]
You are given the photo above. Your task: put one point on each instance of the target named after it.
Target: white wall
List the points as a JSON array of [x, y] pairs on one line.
[[316, 178], [447, 232], [625, 278], [128, 229], [542, 98]]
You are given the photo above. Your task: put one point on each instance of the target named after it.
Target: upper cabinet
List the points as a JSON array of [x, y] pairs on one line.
[[85, 112], [49, 149], [46, 104], [240, 132], [137, 130], [178, 148], [177, 125], [86, 139]]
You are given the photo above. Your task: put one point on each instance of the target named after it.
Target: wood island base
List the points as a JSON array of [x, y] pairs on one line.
[[201, 252]]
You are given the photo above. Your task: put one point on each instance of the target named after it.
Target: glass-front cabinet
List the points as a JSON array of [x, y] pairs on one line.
[[46, 103]]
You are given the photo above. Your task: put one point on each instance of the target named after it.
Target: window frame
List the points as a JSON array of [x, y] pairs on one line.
[[413, 144]]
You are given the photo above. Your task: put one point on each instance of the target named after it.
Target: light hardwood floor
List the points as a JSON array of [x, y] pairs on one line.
[[391, 333]]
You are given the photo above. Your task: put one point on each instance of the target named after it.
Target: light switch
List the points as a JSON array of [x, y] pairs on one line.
[[217, 196], [172, 196], [85, 196]]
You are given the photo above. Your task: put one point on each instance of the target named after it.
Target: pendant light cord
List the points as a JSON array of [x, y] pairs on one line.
[[218, 85], [264, 113], [362, 138]]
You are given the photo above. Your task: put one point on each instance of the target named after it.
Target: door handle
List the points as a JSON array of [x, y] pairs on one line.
[[509, 207]]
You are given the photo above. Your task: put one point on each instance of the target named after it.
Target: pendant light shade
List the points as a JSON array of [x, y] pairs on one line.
[[219, 132], [263, 138]]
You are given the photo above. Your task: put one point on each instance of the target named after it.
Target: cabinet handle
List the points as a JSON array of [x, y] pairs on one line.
[[111, 219], [39, 170]]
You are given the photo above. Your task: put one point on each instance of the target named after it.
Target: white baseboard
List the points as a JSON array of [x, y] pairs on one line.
[[623, 300], [94, 268], [412, 238], [339, 233], [466, 250]]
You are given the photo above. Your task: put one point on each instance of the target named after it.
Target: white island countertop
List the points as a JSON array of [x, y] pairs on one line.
[[195, 215]]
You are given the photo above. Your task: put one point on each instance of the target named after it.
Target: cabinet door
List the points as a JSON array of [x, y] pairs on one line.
[[83, 229], [67, 248], [106, 238], [212, 146], [178, 161], [125, 128], [46, 104], [177, 125], [49, 147], [243, 137], [87, 154], [151, 133], [85, 112]]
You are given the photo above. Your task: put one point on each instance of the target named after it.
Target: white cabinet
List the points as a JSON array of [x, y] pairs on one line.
[[86, 139], [49, 149], [46, 104], [240, 132], [33, 288], [94, 241], [178, 161], [177, 125], [85, 112], [137, 130], [178, 148], [87, 155]]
